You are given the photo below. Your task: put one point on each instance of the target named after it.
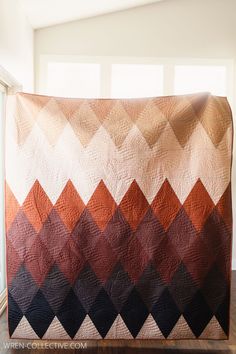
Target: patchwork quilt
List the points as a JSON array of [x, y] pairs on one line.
[[118, 217]]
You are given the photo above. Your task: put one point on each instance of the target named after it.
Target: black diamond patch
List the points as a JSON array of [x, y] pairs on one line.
[[134, 312], [222, 314], [102, 313], [197, 314], [14, 314], [39, 314], [166, 313], [71, 314]]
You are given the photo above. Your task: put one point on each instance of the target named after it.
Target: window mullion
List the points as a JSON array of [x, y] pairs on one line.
[[168, 79], [105, 80]]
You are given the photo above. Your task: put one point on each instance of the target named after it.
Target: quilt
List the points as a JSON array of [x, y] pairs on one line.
[[118, 217]]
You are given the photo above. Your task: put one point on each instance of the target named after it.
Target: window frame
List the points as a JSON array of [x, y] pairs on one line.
[[9, 85], [3, 90]]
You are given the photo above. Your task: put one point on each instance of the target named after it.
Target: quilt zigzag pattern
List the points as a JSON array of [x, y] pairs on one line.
[[118, 217]]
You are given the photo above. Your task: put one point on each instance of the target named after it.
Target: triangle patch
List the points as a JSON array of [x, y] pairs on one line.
[[150, 330], [213, 330], [24, 330], [181, 330], [87, 330], [56, 330], [119, 330]]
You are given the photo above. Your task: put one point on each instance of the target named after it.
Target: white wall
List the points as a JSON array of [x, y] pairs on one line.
[[172, 28], [16, 43]]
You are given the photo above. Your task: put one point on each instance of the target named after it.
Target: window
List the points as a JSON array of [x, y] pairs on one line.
[[196, 78], [121, 77], [128, 80], [73, 79], [2, 233]]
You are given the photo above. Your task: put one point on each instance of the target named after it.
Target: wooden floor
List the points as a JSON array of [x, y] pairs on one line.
[[132, 346]]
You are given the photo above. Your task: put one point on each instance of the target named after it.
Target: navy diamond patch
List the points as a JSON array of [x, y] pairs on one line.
[[198, 314], [134, 312], [71, 314], [103, 313], [14, 314], [39, 314], [166, 313]]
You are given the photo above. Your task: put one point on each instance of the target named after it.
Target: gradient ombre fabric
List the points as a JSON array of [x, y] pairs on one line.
[[118, 217]]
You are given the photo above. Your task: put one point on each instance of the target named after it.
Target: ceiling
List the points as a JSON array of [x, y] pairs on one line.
[[42, 13]]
